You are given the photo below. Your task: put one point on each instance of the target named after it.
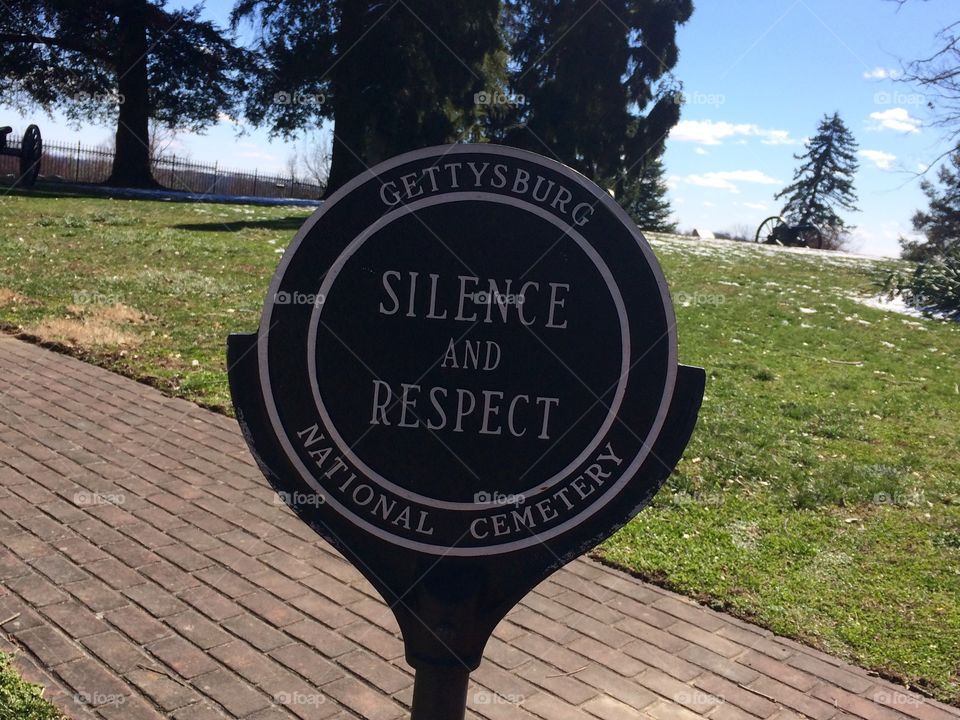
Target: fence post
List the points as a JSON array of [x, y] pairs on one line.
[[173, 172], [254, 193], [76, 165], [215, 164]]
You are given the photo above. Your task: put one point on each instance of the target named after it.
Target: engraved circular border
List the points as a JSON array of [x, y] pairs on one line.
[[325, 291], [441, 151]]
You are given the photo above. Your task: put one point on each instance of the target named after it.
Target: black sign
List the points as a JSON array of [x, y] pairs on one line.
[[468, 352]]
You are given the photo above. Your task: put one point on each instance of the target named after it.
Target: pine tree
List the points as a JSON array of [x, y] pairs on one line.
[[823, 184], [392, 76], [645, 198], [593, 81], [132, 60], [940, 223]]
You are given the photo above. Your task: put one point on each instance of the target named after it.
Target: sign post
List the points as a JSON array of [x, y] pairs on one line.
[[464, 377]]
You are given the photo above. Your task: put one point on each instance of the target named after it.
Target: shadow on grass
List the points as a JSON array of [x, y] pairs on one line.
[[292, 222], [47, 189]]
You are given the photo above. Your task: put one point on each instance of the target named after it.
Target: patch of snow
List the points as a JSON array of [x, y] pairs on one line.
[[176, 195], [881, 302]]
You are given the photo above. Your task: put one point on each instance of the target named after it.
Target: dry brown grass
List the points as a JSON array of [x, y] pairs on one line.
[[10, 297], [117, 314], [84, 333], [92, 326]]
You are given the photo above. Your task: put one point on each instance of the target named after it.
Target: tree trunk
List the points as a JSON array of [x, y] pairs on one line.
[[349, 124], [131, 161], [346, 161]]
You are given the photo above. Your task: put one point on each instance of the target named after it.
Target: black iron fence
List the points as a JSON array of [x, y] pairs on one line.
[[85, 164]]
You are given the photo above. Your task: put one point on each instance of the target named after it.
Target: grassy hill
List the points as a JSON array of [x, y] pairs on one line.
[[820, 496]]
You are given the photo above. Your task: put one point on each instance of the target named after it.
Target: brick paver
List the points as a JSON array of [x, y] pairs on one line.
[[147, 572]]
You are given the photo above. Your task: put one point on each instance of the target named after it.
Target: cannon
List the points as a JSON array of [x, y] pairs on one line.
[[29, 152], [777, 231]]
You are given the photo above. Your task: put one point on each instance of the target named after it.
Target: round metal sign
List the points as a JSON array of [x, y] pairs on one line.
[[467, 350]]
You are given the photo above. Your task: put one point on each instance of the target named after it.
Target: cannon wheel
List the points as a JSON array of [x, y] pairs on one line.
[[812, 238], [31, 148], [765, 233]]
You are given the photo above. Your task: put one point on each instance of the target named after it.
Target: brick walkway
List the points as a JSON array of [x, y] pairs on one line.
[[147, 572]]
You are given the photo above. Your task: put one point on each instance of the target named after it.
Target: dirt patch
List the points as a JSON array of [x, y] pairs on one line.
[[92, 326], [117, 314], [10, 297], [83, 333]]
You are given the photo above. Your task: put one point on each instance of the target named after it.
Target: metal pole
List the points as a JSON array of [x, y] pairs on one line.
[[440, 693], [76, 166]]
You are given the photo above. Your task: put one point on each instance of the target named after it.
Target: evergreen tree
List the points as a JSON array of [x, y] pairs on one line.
[[129, 59], [645, 199], [392, 76], [823, 184], [591, 82], [934, 285], [940, 223]]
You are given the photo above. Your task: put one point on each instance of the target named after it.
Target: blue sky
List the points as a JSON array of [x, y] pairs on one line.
[[758, 75]]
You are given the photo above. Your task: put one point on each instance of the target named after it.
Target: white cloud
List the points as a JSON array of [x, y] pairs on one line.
[[879, 238], [705, 132], [881, 73], [898, 119], [258, 155], [776, 137], [173, 143], [711, 132], [754, 206], [700, 151], [879, 158], [725, 180]]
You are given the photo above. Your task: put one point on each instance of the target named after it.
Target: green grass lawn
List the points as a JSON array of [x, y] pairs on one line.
[[20, 700], [820, 496]]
